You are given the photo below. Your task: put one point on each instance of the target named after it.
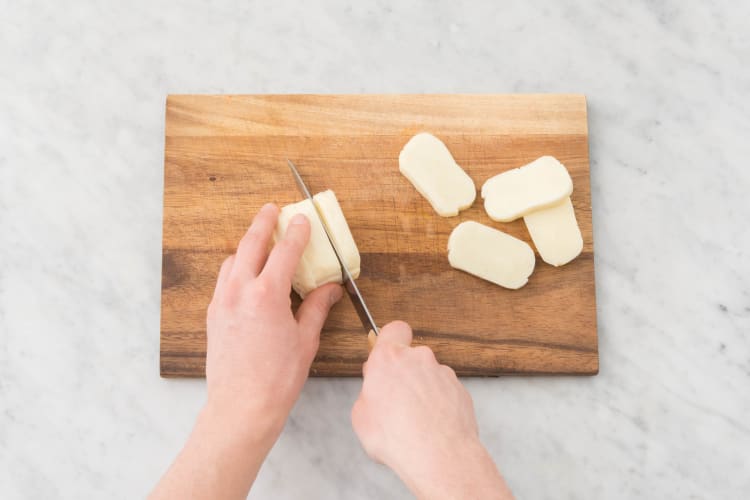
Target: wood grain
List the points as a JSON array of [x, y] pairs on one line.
[[225, 157]]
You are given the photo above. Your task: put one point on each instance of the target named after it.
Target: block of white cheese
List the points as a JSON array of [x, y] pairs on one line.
[[512, 194], [318, 264], [555, 233], [490, 254], [430, 167]]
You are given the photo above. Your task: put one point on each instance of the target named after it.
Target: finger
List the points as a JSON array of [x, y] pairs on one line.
[[252, 251], [313, 311], [396, 332], [286, 253], [224, 272]]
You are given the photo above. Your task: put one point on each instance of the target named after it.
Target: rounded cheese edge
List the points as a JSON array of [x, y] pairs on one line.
[[463, 191], [496, 206], [562, 217], [462, 202], [523, 254]]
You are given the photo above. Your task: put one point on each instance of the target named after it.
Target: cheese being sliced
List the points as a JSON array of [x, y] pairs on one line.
[[318, 264], [515, 193], [430, 167], [490, 254], [555, 233]]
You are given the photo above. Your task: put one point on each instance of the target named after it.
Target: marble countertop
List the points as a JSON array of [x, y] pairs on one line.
[[83, 412]]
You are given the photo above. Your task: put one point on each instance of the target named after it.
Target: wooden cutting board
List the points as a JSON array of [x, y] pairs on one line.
[[225, 156]]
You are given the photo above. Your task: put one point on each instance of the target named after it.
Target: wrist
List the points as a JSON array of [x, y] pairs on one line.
[[463, 471], [223, 453], [243, 429]]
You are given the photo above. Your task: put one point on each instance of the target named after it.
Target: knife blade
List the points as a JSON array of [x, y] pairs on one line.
[[351, 287]]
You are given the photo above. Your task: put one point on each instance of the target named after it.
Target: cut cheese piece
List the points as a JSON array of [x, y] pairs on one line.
[[429, 166], [490, 254], [512, 194], [318, 264], [555, 233]]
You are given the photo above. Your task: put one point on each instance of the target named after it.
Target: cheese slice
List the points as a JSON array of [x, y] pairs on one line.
[[512, 194], [555, 233], [490, 254], [318, 264], [430, 167]]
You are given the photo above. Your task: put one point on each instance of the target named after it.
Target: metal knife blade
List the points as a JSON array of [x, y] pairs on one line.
[[351, 287]]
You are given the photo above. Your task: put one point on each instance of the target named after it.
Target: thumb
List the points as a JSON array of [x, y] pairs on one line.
[[313, 311], [396, 332]]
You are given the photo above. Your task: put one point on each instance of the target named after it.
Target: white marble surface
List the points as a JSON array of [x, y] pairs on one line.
[[83, 412]]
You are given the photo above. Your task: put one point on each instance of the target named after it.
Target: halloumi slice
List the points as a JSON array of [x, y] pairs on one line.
[[490, 254], [430, 167], [515, 193], [318, 264], [555, 233]]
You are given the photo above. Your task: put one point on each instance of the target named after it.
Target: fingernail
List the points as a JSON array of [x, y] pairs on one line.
[[298, 219], [268, 206]]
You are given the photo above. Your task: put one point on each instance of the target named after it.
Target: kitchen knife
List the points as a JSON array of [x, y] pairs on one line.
[[351, 287]]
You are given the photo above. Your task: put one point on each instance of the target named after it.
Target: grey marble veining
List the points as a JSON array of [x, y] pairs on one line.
[[83, 413]]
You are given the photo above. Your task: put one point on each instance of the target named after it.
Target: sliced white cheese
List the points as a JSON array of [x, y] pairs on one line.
[[430, 167], [490, 254], [555, 233], [512, 194], [318, 264]]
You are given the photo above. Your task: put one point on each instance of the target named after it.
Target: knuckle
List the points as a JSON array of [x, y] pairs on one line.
[[424, 353], [318, 307], [260, 288], [386, 352], [227, 263], [450, 372], [230, 296]]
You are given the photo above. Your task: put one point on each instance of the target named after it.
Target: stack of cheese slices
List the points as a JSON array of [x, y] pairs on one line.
[[539, 192]]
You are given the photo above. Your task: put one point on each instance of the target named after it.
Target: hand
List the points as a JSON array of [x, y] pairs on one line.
[[259, 353], [414, 416]]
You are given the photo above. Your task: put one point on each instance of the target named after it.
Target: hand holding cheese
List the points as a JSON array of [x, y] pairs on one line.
[[318, 264], [258, 357], [430, 167], [490, 254], [515, 193]]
